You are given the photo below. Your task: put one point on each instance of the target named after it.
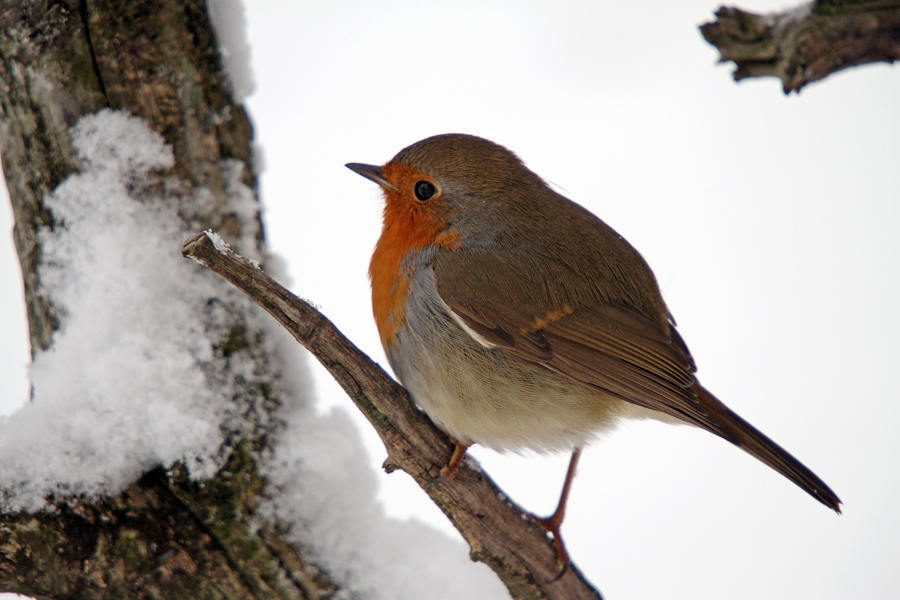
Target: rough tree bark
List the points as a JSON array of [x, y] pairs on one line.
[[168, 535], [806, 43]]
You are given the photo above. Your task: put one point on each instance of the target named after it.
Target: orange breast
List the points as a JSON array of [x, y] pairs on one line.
[[409, 226]]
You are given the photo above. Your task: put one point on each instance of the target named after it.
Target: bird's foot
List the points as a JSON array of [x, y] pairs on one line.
[[551, 525], [449, 470]]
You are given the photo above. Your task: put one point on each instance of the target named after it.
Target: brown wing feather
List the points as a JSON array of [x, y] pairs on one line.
[[607, 347]]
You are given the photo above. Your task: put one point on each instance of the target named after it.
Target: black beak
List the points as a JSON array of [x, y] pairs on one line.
[[371, 172]]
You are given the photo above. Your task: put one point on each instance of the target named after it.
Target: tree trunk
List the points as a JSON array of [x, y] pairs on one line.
[[166, 535]]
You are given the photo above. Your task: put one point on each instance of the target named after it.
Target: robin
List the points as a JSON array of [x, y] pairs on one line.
[[517, 319]]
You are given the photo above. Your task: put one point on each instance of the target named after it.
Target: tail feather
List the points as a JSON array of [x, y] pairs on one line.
[[742, 434]]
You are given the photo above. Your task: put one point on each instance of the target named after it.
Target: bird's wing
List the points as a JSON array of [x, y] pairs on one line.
[[614, 348], [611, 348]]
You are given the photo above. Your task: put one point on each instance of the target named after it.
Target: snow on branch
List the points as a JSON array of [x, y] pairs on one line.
[[806, 43]]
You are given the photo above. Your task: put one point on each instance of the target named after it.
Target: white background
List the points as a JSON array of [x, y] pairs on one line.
[[770, 221]]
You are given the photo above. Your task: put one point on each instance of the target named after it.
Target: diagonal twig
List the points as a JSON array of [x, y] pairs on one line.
[[499, 533]]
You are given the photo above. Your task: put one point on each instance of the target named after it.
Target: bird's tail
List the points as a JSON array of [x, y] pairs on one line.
[[744, 435]]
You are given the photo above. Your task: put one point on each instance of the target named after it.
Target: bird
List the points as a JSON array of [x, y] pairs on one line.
[[517, 319]]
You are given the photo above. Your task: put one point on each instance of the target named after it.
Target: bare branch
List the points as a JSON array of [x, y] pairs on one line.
[[500, 533], [807, 43]]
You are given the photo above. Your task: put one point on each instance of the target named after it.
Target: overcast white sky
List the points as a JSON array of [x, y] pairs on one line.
[[771, 223]]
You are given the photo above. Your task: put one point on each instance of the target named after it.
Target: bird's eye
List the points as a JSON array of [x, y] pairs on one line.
[[425, 190]]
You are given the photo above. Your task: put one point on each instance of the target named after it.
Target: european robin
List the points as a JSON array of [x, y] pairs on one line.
[[517, 319]]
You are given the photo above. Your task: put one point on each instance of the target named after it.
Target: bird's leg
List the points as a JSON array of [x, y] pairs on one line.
[[449, 470], [554, 521]]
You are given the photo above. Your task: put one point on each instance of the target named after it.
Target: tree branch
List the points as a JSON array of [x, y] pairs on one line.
[[807, 43], [500, 533]]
